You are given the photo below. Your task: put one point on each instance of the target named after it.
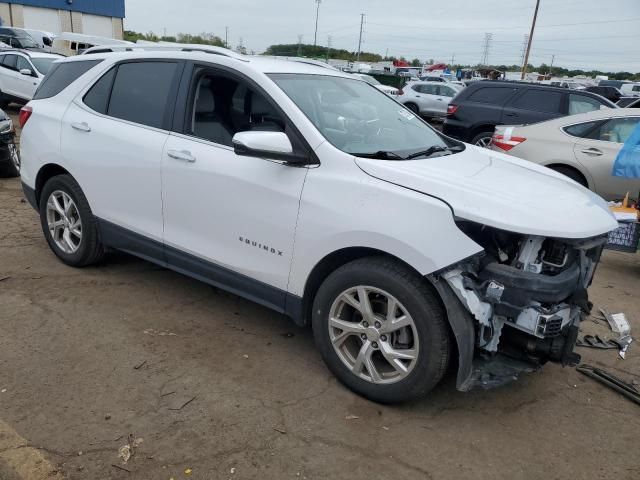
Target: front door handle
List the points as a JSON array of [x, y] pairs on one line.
[[594, 152], [183, 155], [82, 127]]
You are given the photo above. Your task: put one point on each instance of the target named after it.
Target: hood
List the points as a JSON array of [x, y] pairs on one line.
[[501, 191]]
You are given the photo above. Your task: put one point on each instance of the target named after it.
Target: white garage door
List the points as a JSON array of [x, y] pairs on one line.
[[42, 19], [97, 26]]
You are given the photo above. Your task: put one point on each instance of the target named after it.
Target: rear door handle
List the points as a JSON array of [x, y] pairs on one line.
[[594, 152], [510, 114], [183, 155], [82, 127]]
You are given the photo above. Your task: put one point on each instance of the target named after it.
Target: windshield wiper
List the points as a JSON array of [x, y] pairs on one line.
[[434, 149], [381, 154]]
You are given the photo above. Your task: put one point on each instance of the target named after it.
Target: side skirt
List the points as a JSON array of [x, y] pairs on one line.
[[138, 245]]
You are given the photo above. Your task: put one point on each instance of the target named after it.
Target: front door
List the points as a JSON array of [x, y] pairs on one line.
[[230, 219], [598, 153]]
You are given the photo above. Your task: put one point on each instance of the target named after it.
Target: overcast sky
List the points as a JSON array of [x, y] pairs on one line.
[[602, 34]]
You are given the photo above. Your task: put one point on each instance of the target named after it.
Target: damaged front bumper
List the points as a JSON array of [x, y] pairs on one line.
[[517, 305]]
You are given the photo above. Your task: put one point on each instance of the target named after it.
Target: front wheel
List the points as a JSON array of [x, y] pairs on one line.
[[381, 330], [12, 166]]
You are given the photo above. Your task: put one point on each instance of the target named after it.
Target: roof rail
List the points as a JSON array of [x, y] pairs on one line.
[[19, 50], [166, 46]]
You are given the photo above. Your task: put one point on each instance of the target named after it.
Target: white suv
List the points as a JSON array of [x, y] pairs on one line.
[[315, 194], [21, 72]]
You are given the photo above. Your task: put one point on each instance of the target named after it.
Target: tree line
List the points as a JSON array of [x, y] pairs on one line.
[[318, 51]]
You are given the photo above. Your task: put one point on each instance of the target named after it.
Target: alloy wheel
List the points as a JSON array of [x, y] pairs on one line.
[[373, 334], [484, 142], [14, 155], [64, 222]]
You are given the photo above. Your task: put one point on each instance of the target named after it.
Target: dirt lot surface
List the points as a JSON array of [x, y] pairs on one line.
[[217, 387]]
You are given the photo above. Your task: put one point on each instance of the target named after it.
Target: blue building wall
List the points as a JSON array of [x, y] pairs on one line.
[[107, 8]]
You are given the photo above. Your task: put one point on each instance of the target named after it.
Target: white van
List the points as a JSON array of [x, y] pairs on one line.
[[68, 43], [630, 89]]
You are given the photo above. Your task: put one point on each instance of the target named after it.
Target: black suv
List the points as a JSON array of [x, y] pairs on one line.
[[473, 114], [608, 92]]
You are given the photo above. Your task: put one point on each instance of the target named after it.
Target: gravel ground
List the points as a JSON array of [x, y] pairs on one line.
[[218, 387]]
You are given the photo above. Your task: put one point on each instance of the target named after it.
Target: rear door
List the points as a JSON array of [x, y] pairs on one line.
[[444, 94], [113, 137], [598, 152], [427, 100], [533, 105]]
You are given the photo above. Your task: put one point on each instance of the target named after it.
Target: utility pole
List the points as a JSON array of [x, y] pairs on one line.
[[360, 39], [329, 39], [453, 57], [533, 26], [226, 37], [523, 51], [486, 48], [299, 46], [315, 36]]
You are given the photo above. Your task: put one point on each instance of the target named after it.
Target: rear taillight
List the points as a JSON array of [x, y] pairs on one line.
[[400, 92], [506, 143], [451, 109], [25, 114]]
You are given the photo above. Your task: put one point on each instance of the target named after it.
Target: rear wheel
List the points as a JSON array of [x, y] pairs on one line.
[[573, 174], [68, 223], [482, 139], [381, 330]]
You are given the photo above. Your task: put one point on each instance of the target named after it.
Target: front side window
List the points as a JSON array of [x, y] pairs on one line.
[[583, 104], [539, 101], [222, 106], [617, 130], [141, 91], [23, 64], [358, 118]]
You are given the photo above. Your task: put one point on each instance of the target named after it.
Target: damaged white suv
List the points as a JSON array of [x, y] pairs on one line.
[[315, 194]]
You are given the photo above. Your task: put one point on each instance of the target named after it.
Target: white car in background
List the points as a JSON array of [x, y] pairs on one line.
[[391, 91], [583, 147], [429, 99], [21, 72]]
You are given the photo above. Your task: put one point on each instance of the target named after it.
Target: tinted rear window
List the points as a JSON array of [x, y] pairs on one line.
[[539, 101], [491, 95], [61, 76], [581, 129], [141, 92]]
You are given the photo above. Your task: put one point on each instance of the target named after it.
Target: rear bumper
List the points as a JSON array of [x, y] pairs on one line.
[[453, 129], [30, 195]]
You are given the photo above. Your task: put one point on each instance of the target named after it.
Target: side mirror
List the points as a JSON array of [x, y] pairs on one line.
[[273, 145], [27, 72]]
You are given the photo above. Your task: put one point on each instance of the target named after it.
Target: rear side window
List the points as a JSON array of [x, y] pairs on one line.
[[583, 104], [141, 92], [491, 95], [61, 76], [581, 130], [539, 101], [97, 98]]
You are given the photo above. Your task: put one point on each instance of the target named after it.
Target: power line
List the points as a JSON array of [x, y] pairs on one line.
[[487, 46]]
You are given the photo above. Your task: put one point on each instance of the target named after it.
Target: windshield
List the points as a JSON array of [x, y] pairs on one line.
[[43, 65], [24, 42], [357, 118]]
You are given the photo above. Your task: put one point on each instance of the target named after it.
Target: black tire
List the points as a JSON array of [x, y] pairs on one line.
[[481, 137], [413, 107], [4, 101], [418, 298], [573, 174], [9, 168], [90, 249]]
